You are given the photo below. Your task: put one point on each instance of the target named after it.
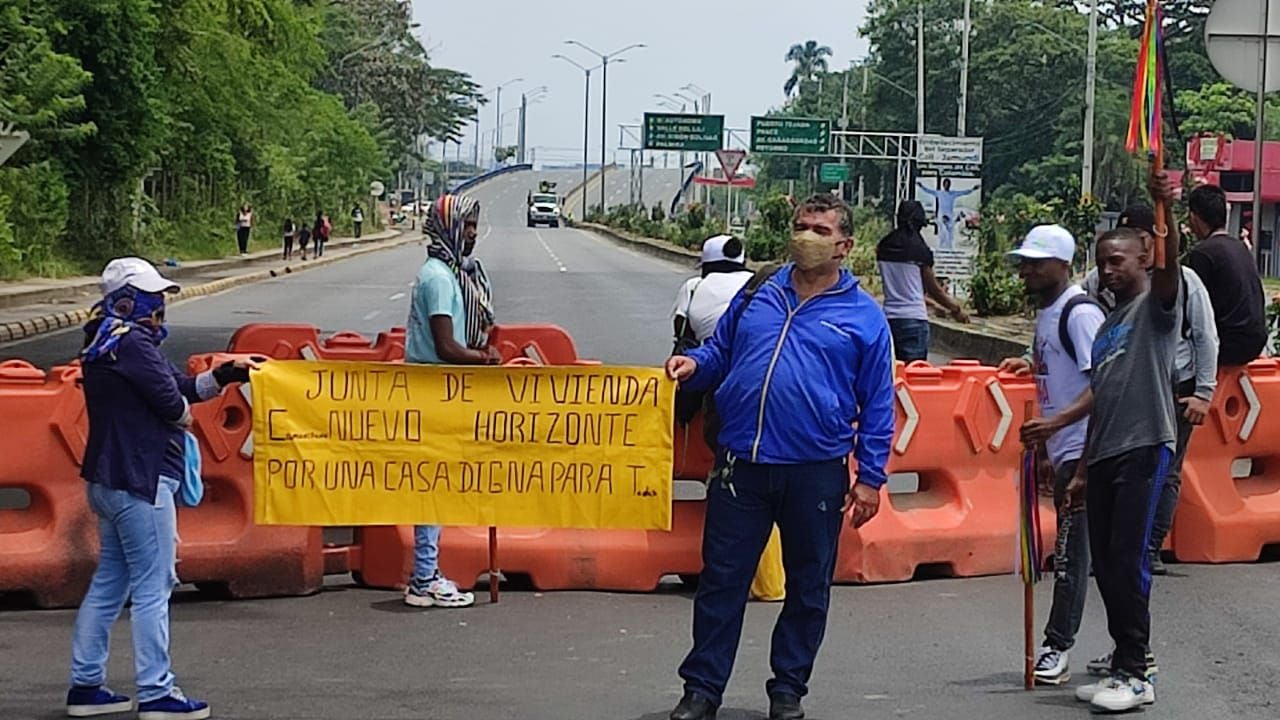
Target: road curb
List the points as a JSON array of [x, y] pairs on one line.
[[649, 246], [31, 327]]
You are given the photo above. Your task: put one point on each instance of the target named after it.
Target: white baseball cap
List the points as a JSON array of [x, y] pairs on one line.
[[1047, 242], [713, 250], [134, 272]]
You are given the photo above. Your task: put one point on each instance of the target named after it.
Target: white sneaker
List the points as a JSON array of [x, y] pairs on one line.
[[1051, 666], [1120, 693], [439, 591]]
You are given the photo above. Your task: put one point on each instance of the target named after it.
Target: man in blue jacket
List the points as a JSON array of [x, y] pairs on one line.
[[798, 363]]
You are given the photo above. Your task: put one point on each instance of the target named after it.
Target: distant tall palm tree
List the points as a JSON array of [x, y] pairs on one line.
[[808, 60]]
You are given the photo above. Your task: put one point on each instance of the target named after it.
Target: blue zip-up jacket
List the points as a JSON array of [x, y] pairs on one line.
[[794, 378]]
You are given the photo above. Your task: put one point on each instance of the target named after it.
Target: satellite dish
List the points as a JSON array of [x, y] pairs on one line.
[[376, 188], [1233, 37]]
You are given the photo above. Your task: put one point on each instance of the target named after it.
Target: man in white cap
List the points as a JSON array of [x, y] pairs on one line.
[[139, 405], [1061, 359]]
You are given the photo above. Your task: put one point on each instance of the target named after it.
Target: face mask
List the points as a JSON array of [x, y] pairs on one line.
[[810, 250]]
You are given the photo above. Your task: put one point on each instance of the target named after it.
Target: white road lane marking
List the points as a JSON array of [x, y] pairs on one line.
[[372, 314], [550, 252], [396, 297]]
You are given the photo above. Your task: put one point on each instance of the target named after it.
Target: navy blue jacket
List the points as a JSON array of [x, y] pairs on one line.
[[135, 403], [795, 378]]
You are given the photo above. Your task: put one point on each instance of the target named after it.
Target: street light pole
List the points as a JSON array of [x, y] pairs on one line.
[[497, 111], [586, 121], [919, 69], [1090, 85], [961, 125], [604, 104]]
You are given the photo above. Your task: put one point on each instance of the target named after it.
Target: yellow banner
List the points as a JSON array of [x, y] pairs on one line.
[[345, 443]]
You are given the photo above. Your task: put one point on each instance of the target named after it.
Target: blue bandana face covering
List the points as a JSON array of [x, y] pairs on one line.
[[122, 311]]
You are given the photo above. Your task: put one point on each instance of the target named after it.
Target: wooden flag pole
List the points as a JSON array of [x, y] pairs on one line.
[[1028, 583], [493, 564], [1162, 228]]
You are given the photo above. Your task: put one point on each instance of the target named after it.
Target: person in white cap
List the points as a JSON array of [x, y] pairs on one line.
[[1061, 359], [139, 405], [703, 299]]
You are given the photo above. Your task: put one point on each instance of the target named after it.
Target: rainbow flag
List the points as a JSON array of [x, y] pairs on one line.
[[1145, 112], [1029, 521]]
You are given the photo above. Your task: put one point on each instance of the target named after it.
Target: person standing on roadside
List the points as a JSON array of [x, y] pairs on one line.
[[320, 232], [906, 268], [139, 405], [450, 316], [357, 220], [244, 226], [804, 378], [1061, 360], [1129, 446], [290, 232], [1197, 379], [1227, 268]]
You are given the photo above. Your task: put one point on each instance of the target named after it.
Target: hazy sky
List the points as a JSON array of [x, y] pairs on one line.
[[732, 48]]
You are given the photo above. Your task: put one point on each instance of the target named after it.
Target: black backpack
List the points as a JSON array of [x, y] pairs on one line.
[[1064, 334]]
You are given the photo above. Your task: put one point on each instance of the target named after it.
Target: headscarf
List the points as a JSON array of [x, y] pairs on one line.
[[904, 242], [119, 313], [444, 226]]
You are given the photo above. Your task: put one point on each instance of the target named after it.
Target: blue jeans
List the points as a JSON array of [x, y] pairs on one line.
[[1071, 567], [805, 502], [426, 551], [910, 338], [139, 547]]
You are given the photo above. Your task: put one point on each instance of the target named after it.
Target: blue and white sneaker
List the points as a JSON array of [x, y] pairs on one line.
[[94, 701], [1118, 693], [174, 706], [437, 591]]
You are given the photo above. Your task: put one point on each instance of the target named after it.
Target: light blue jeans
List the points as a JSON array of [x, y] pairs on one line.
[[139, 548], [426, 551]]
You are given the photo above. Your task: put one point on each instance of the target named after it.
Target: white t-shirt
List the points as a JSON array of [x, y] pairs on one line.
[[704, 300], [1059, 381]]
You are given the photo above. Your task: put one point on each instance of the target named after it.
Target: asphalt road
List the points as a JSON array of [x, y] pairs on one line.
[[931, 649]]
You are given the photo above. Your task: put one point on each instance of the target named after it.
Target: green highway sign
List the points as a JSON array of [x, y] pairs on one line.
[[833, 173], [673, 131], [790, 136]]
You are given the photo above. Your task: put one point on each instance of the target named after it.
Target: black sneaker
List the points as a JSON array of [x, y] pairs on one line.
[[1157, 565], [694, 707], [785, 706]]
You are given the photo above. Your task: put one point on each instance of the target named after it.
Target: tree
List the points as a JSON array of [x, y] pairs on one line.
[[808, 60], [1223, 108]]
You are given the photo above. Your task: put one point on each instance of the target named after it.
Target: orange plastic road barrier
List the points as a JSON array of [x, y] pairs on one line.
[[48, 537], [692, 458], [220, 544], [957, 432], [1230, 504], [555, 559], [295, 342], [540, 344]]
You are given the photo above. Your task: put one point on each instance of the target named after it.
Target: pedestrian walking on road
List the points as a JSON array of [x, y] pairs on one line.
[[138, 405], [806, 361], [699, 305], [450, 316], [1197, 379], [1130, 445], [906, 267], [320, 232], [1228, 270], [1061, 359], [290, 232], [244, 225], [304, 239], [357, 220]]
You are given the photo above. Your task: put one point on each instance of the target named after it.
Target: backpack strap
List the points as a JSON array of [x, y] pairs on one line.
[[1064, 333], [749, 292]]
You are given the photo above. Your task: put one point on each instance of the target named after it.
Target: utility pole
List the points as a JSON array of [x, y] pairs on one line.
[[1090, 86], [919, 69], [862, 179], [1260, 113], [961, 125]]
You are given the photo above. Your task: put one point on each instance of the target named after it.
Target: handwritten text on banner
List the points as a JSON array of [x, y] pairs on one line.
[[378, 444]]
